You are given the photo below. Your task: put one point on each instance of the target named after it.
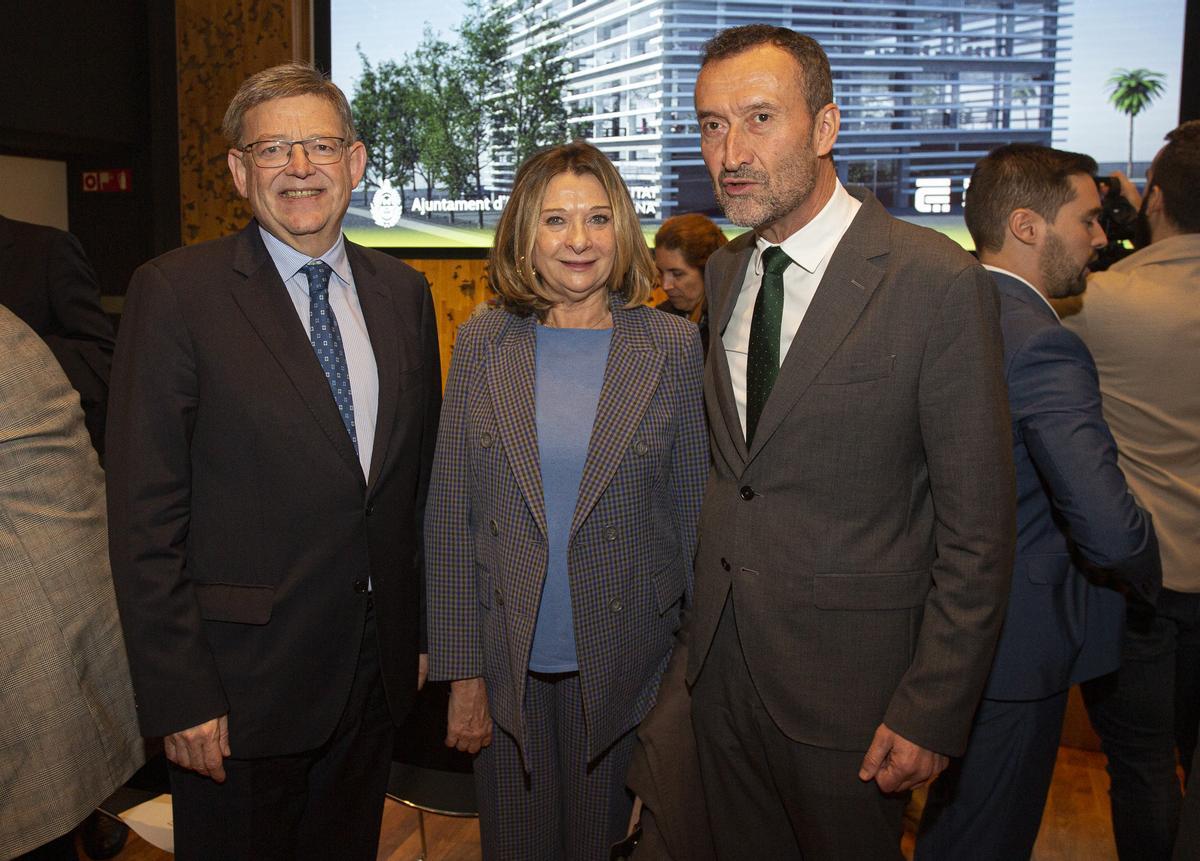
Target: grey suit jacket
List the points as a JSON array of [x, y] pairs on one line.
[[632, 535], [70, 733], [866, 537]]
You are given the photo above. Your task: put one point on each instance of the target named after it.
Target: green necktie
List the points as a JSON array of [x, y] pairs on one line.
[[762, 364]]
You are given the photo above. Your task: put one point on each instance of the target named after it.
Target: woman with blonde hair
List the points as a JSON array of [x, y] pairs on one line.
[[561, 520]]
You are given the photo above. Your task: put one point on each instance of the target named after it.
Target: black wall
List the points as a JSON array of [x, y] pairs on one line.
[[93, 84], [1189, 93]]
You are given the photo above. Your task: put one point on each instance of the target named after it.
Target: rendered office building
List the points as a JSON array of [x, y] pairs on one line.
[[926, 87]]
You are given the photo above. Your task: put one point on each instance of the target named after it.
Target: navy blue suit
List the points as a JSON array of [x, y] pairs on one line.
[[1082, 542]]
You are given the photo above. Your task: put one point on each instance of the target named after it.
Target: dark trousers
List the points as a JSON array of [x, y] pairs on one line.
[[59, 849], [556, 804], [769, 796], [1141, 713], [319, 804], [987, 806], [1187, 841]]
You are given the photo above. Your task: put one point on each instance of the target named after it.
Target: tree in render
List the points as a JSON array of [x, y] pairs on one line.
[[1131, 92]]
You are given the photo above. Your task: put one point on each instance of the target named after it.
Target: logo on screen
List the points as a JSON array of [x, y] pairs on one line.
[[933, 195], [386, 205]]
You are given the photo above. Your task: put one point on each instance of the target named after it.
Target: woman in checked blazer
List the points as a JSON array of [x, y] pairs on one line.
[[561, 521]]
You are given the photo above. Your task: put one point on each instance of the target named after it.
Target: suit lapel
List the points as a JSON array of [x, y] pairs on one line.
[[847, 286], [630, 379], [729, 278], [382, 327], [264, 300], [511, 372]]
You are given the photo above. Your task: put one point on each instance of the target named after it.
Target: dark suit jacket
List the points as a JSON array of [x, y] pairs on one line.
[[866, 536], [46, 280], [632, 536], [1073, 510], [242, 530]]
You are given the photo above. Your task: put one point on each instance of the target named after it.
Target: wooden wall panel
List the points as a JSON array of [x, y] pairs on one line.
[[459, 287], [219, 44]]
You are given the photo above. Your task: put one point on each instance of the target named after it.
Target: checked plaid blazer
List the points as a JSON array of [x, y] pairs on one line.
[[632, 537], [70, 731]]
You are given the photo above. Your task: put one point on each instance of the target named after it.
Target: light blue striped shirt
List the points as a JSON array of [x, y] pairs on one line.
[[343, 302]]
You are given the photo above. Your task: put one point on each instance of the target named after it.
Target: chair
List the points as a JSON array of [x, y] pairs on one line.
[[426, 775]]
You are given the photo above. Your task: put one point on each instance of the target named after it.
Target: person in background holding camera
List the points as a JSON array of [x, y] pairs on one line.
[[1034, 215], [682, 246], [1119, 201], [1141, 321]]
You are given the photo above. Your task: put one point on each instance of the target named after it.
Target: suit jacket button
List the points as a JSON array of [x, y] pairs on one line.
[[499, 598], [610, 532], [747, 493], [485, 439], [370, 510], [640, 448], [724, 563], [615, 605], [360, 586], [493, 527]]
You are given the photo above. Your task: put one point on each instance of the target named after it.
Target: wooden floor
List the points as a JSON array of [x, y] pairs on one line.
[[1076, 827]]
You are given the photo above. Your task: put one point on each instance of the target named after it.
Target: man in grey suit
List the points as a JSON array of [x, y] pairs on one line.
[[856, 536]]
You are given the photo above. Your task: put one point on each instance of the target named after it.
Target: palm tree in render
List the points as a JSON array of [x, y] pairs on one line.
[[1132, 91]]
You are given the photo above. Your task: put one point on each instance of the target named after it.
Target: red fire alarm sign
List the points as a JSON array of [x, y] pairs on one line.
[[117, 179]]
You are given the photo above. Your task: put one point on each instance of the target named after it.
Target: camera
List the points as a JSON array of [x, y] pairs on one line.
[[1118, 217]]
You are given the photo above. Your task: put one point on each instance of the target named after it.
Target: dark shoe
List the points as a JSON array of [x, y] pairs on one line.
[[103, 836]]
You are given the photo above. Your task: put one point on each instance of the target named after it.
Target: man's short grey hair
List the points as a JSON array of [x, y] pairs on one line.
[[281, 82]]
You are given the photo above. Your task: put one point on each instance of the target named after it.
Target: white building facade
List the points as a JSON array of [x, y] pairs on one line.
[[926, 87]]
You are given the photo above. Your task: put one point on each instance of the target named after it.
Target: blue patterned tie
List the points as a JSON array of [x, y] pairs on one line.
[[327, 343]]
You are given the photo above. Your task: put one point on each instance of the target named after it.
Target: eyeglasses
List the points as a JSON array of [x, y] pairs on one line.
[[279, 153]]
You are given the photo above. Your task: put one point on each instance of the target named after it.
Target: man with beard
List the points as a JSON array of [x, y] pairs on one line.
[[1081, 539], [1141, 321], [856, 533]]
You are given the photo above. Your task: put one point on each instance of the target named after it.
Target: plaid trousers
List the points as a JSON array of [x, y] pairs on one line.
[[558, 805]]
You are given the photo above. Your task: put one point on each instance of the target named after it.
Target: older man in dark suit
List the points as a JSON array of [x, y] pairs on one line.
[[275, 402], [1081, 539], [47, 281], [857, 530]]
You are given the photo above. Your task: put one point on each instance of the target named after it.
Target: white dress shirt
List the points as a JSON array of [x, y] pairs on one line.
[[1035, 290], [356, 343], [810, 248]]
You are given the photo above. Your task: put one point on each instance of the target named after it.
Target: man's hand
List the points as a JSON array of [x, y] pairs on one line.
[[422, 669], [1127, 189], [469, 725], [635, 816], [897, 765], [202, 748]]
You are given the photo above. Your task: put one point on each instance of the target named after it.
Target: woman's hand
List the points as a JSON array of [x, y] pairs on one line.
[[468, 722]]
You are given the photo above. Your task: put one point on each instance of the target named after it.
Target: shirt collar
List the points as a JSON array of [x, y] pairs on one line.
[[809, 245], [1015, 276], [288, 261]]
